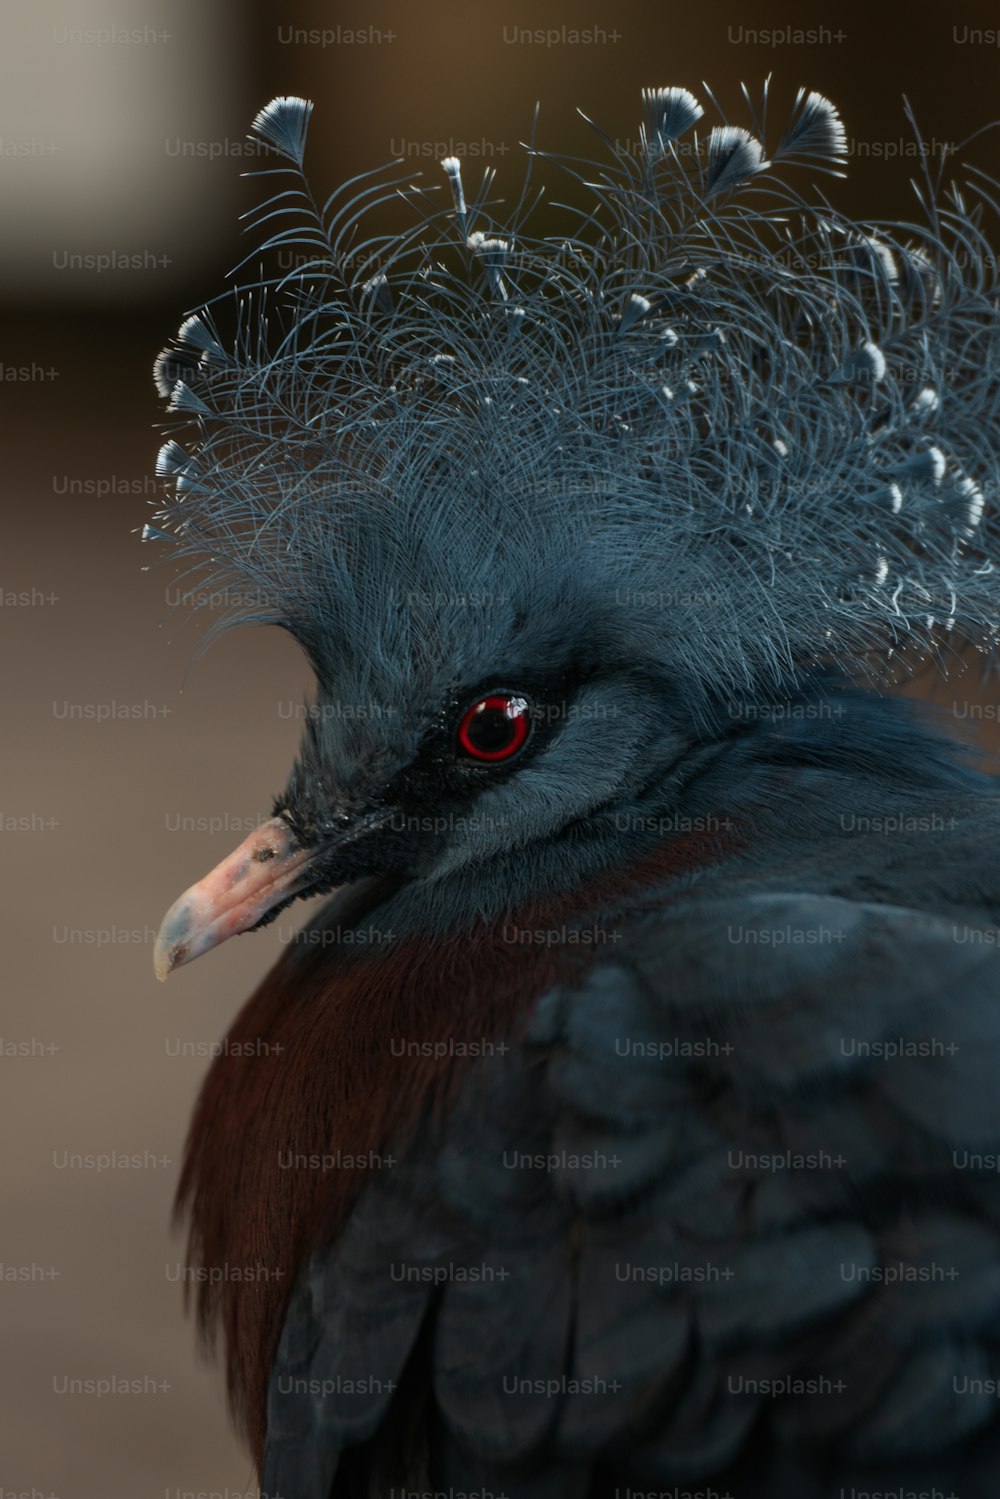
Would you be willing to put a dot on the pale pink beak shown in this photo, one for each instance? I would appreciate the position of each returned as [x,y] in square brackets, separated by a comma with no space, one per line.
[266,869]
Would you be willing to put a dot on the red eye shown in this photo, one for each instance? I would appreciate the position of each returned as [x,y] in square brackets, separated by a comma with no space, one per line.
[496,727]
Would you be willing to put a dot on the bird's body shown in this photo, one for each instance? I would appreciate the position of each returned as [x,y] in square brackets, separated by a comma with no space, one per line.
[628,1123]
[696,1138]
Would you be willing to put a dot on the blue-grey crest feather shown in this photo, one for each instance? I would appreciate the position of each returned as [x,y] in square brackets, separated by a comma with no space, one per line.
[754,434]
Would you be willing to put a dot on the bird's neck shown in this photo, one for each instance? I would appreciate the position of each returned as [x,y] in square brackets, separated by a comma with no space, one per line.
[357,1034]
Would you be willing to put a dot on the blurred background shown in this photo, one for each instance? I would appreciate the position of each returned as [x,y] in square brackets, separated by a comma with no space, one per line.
[129,767]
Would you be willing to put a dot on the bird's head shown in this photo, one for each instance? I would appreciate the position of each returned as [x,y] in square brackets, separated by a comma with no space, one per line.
[541,510]
[476,714]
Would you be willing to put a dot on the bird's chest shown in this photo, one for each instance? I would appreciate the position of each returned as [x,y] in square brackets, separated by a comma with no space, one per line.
[344,1050]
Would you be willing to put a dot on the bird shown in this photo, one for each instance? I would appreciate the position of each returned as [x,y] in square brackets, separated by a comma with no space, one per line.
[625,1119]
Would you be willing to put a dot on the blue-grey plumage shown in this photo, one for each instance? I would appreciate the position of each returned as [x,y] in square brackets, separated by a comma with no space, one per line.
[582,535]
[743,433]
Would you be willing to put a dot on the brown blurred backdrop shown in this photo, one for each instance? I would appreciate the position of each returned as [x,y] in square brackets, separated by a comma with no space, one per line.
[129,768]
